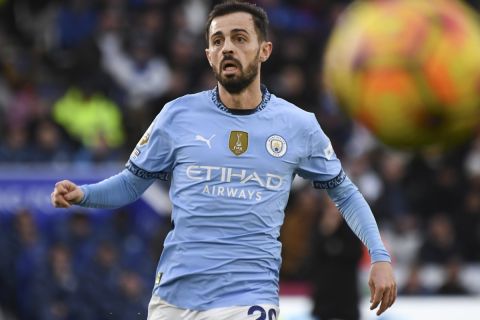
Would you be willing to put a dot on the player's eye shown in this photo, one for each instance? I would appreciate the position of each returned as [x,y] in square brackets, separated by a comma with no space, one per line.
[217,42]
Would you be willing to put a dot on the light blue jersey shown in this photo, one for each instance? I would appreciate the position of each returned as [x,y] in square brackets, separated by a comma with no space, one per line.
[231,176]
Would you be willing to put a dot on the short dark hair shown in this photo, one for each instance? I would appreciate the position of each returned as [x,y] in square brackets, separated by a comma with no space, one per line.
[260,18]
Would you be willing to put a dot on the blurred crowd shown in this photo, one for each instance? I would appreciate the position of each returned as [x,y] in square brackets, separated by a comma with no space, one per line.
[78,265]
[81,80]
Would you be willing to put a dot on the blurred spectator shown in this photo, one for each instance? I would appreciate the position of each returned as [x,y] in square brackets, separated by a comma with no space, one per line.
[92,118]
[287,17]
[336,255]
[16,146]
[452,284]
[156,241]
[49,145]
[183,58]
[25,106]
[56,294]
[393,202]
[141,73]
[35,22]
[131,242]
[441,243]
[472,160]
[432,174]
[5,97]
[469,225]
[291,82]
[79,237]
[100,282]
[413,285]
[28,252]
[133,297]
[196,12]
[112,17]
[151,24]
[76,22]
[7,265]
[447,190]
[296,232]
[404,238]
[369,182]
[419,174]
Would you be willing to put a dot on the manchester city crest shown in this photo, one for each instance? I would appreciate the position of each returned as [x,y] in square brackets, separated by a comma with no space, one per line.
[276,146]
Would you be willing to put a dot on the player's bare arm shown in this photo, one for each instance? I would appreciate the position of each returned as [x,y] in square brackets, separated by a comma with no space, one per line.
[65,194]
[383,288]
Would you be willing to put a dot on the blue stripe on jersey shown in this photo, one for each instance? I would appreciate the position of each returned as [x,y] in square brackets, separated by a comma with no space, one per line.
[332,183]
[141,173]
[216,100]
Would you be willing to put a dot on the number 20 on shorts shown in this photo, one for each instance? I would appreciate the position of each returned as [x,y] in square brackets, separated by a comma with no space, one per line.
[261,313]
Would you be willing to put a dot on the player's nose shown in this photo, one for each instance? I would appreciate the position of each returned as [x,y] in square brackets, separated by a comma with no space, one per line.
[227,47]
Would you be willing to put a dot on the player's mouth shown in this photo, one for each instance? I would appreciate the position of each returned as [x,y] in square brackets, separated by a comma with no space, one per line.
[230,66]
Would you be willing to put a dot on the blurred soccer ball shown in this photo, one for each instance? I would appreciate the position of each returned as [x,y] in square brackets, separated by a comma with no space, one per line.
[409,70]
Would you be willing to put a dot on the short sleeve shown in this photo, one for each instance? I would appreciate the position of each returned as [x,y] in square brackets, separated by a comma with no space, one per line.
[320,163]
[153,154]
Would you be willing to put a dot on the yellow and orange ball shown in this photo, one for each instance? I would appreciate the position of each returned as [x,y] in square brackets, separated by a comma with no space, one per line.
[409,70]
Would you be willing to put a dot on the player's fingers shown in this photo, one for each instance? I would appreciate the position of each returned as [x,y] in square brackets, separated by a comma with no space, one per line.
[73,196]
[65,186]
[377,297]
[385,302]
[61,187]
[393,296]
[372,290]
[58,201]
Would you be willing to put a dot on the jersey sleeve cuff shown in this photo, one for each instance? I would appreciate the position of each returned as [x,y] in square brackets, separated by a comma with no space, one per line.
[85,195]
[380,256]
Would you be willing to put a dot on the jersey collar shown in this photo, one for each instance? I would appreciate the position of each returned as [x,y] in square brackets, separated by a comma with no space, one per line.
[216,100]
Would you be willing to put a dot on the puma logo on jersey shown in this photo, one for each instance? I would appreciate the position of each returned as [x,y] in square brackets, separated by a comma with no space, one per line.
[207,141]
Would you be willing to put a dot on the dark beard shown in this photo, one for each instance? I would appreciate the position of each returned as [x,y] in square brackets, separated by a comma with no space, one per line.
[237,84]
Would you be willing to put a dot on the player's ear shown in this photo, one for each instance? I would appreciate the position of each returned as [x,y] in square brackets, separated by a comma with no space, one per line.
[207,53]
[265,50]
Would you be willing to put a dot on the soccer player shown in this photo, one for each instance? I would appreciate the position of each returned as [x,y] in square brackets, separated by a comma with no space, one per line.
[231,154]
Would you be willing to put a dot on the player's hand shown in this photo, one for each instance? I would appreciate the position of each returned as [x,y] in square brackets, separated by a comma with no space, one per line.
[383,288]
[65,194]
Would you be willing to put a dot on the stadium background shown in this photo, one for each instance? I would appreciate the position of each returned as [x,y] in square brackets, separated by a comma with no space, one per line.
[81,80]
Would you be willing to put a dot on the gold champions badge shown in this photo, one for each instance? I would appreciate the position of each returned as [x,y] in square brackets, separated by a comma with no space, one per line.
[238,142]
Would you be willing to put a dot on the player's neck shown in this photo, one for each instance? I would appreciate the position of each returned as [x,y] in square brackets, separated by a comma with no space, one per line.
[249,98]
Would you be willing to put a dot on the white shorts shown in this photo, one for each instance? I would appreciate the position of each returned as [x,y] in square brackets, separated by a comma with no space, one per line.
[161,310]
